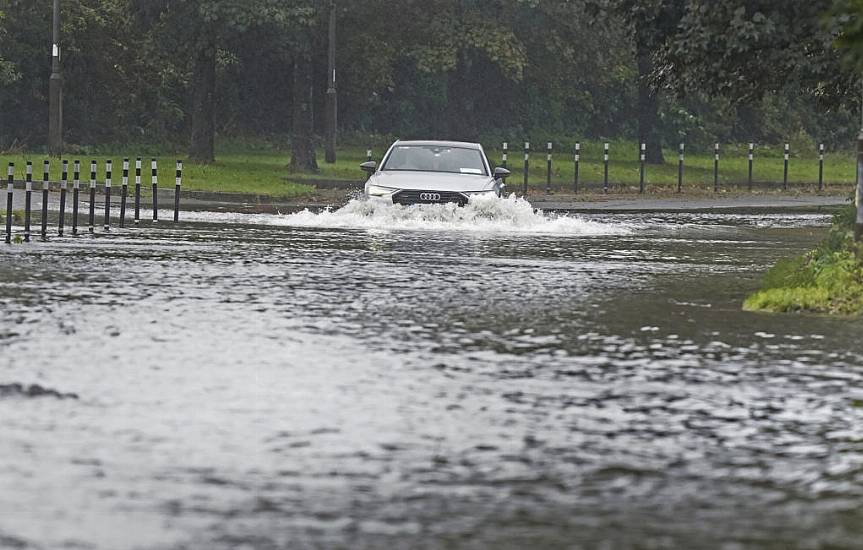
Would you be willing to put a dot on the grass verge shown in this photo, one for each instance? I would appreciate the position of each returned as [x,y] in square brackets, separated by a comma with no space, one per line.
[17,217]
[828,279]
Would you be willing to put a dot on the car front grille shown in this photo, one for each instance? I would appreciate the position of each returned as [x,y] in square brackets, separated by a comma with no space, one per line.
[410,196]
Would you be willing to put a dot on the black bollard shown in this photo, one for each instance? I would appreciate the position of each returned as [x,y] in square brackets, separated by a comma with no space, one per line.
[680,163]
[548,171]
[751,160]
[46,187]
[108,174]
[577,173]
[785,169]
[155,181]
[641,169]
[178,184]
[64,182]
[92,218]
[504,156]
[76,190]
[28,198]
[605,176]
[526,167]
[716,168]
[10,192]
[137,190]
[124,192]
[821,167]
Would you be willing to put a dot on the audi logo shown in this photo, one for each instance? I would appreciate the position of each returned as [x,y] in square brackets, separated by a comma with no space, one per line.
[429,196]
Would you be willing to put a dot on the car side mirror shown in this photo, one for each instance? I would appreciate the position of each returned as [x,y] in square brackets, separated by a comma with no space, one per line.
[501,173]
[369,167]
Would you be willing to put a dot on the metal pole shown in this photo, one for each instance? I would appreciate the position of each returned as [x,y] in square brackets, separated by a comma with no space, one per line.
[858,199]
[28,198]
[137,190]
[91,218]
[10,191]
[785,170]
[154,179]
[55,90]
[505,158]
[109,173]
[548,171]
[858,226]
[680,168]
[605,176]
[124,194]
[751,160]
[577,168]
[76,190]
[715,167]
[64,184]
[821,167]
[641,168]
[177,185]
[46,188]
[332,97]
[526,166]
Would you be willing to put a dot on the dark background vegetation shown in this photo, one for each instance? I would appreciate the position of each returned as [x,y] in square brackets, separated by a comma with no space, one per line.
[178,73]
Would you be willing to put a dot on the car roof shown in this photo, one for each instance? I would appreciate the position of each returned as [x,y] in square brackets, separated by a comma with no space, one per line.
[463,144]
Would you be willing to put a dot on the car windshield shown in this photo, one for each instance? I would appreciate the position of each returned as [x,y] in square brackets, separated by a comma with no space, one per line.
[436,158]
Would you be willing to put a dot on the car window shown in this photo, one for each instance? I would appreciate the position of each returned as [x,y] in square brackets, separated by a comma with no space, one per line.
[435,158]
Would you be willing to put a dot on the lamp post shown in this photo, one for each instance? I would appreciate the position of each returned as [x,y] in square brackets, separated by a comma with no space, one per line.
[55,90]
[332,98]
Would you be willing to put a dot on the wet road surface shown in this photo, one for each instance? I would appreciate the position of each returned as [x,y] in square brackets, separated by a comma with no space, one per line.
[373,377]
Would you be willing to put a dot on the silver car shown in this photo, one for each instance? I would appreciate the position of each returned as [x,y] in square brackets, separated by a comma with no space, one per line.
[429,172]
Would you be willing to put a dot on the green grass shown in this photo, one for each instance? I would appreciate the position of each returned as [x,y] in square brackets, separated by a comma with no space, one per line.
[17,217]
[262,169]
[827,280]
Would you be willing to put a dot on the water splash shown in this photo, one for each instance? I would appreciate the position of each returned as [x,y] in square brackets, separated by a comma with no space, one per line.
[482,214]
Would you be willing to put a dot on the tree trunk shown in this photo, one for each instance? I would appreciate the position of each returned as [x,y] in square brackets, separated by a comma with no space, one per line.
[461,119]
[648,108]
[303,141]
[202,148]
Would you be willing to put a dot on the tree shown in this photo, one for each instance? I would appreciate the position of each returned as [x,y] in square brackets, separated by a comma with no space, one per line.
[846,17]
[458,41]
[651,23]
[206,30]
[747,49]
[303,156]
[177,73]
[8,73]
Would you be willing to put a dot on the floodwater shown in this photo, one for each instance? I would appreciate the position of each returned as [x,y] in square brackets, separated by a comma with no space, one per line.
[379,377]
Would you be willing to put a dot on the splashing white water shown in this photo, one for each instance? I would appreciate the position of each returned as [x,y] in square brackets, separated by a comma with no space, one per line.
[481,214]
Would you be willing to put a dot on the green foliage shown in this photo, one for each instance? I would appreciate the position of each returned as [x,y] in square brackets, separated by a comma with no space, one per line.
[744,50]
[847,15]
[789,300]
[827,280]
[17,217]
[7,69]
[790,272]
[735,70]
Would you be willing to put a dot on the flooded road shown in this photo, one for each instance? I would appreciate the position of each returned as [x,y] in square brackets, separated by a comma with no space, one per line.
[376,377]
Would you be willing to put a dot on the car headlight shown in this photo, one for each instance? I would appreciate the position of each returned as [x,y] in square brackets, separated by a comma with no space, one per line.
[378,191]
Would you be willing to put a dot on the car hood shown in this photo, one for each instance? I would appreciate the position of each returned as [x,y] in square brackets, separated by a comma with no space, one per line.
[432,181]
